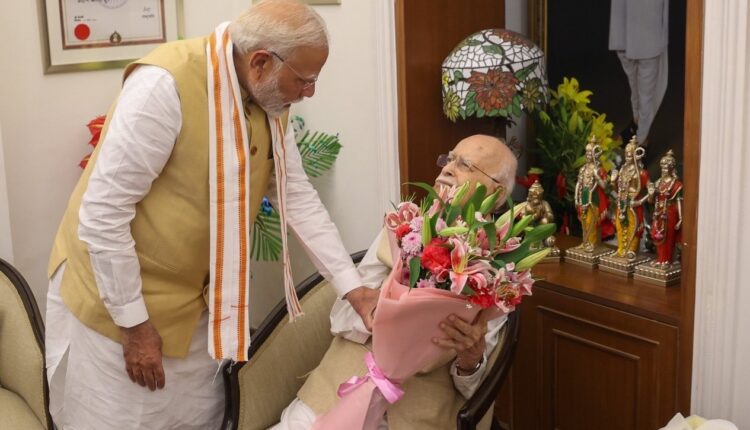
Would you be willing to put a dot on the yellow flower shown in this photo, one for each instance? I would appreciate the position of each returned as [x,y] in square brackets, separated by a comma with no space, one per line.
[451,105]
[446,79]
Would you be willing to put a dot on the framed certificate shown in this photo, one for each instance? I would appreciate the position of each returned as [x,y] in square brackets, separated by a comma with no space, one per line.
[98,34]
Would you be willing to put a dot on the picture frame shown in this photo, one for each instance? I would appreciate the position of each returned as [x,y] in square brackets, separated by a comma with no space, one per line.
[81,35]
[315,2]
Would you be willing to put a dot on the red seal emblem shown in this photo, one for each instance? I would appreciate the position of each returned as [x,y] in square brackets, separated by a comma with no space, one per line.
[82,31]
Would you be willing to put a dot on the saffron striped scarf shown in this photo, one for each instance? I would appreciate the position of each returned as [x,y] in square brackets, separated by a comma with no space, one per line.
[229,178]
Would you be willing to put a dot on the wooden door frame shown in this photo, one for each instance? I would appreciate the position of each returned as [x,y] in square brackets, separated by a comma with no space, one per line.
[691,176]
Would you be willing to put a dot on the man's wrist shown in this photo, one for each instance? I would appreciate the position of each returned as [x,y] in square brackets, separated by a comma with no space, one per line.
[468,370]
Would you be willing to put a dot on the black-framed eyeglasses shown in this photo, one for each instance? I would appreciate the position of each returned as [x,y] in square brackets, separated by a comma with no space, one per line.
[309,82]
[462,164]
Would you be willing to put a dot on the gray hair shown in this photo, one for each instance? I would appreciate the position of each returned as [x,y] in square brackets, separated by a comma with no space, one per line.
[280,26]
[506,172]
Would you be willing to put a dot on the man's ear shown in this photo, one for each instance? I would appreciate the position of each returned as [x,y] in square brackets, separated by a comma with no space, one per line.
[259,62]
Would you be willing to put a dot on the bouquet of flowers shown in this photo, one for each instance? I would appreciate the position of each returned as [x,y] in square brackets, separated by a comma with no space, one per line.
[450,257]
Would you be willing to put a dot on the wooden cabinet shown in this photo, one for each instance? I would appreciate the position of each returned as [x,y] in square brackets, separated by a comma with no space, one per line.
[596,352]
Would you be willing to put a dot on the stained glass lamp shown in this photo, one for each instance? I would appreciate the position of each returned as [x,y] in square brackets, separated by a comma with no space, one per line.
[493,73]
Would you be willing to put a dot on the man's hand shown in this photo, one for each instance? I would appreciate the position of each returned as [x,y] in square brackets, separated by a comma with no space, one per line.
[466,339]
[364,300]
[141,347]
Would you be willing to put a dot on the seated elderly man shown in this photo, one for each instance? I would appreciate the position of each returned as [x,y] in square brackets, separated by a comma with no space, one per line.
[434,396]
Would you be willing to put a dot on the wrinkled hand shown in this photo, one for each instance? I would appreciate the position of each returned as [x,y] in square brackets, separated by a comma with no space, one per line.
[467,339]
[141,347]
[364,300]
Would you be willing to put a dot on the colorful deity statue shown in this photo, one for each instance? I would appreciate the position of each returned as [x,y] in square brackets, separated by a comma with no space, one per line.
[590,196]
[666,220]
[631,191]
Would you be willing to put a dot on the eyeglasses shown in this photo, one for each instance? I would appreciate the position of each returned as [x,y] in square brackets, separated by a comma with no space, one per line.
[462,164]
[309,82]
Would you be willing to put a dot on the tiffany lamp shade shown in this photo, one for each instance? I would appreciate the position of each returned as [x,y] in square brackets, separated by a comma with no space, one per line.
[493,73]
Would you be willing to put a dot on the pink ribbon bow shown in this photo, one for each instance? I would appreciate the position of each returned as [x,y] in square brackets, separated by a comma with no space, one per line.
[391,391]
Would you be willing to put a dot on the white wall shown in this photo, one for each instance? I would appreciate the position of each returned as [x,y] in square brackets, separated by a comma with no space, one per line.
[44,133]
[6,240]
[721,351]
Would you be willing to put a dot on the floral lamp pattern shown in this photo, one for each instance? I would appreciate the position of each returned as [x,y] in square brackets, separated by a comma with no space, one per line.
[494,73]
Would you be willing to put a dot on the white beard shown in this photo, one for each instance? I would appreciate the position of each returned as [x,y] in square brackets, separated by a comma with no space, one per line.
[268,97]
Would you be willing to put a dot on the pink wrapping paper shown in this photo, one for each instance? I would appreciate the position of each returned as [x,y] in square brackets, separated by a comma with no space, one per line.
[404,325]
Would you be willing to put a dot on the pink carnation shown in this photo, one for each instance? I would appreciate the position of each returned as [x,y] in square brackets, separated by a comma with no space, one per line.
[411,244]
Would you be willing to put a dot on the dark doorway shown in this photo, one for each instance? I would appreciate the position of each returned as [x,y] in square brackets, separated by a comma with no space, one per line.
[578,36]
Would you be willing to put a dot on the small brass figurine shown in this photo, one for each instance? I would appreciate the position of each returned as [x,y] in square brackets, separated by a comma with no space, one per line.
[591,204]
[631,185]
[666,223]
[541,212]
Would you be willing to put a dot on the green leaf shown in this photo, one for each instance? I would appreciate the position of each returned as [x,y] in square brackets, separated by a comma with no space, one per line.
[453,213]
[497,264]
[491,231]
[516,255]
[521,225]
[460,193]
[414,269]
[522,74]
[539,233]
[479,195]
[531,260]
[458,75]
[453,231]
[535,171]
[319,151]
[468,213]
[266,238]
[471,107]
[480,112]
[474,42]
[512,218]
[431,193]
[516,107]
[494,49]
[489,202]
[426,231]
[433,224]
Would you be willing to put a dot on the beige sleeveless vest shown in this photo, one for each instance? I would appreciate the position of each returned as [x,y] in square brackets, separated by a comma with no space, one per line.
[171,225]
[430,400]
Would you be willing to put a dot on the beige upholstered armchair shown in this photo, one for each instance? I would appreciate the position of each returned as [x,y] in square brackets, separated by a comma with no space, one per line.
[24,397]
[281,354]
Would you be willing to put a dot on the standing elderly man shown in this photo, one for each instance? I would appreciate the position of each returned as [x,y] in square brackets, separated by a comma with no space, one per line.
[149,273]
[639,33]
[432,398]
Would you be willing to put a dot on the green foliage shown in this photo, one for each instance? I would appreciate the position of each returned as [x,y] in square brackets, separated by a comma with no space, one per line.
[266,238]
[319,152]
[562,130]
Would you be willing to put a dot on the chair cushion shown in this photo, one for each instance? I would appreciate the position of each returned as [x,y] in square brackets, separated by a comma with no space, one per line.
[21,361]
[283,361]
[15,413]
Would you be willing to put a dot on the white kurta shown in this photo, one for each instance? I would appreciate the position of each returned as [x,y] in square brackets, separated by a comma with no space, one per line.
[346,323]
[639,33]
[141,137]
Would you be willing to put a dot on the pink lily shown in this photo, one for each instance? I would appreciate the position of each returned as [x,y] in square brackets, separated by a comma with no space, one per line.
[461,271]
[525,281]
[435,208]
[446,193]
[405,212]
[510,245]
